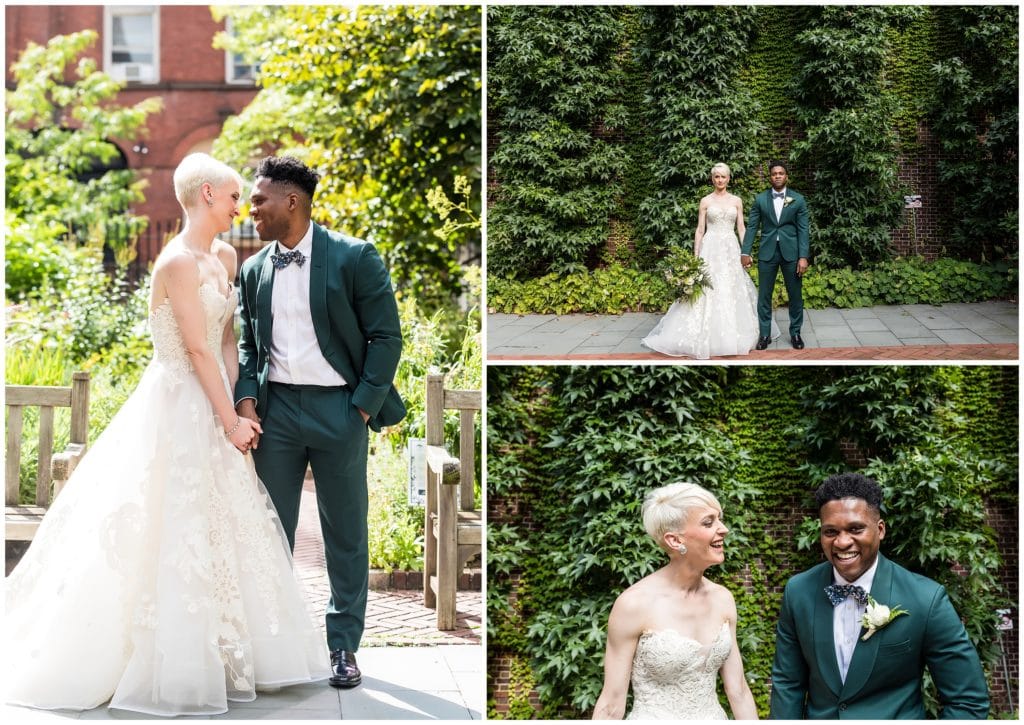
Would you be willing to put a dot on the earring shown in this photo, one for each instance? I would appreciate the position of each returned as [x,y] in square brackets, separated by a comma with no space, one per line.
[681,549]
[209,202]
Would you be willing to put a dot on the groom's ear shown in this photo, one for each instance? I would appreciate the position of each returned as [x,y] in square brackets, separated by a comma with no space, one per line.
[881,529]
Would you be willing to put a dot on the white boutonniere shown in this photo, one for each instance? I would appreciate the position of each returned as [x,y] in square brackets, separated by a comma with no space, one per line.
[787,201]
[877,616]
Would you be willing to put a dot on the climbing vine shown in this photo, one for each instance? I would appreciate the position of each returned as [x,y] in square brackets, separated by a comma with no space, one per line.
[552,85]
[974,112]
[609,118]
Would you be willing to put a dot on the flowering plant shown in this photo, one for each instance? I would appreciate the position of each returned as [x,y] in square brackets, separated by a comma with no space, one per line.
[877,616]
[686,273]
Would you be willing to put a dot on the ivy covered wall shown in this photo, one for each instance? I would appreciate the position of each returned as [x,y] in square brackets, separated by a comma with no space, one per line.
[866,103]
[573,450]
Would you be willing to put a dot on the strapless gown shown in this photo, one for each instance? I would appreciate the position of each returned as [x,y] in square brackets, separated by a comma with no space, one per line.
[160,580]
[723,320]
[674,677]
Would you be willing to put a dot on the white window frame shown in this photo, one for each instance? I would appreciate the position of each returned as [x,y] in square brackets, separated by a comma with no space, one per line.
[230,66]
[142,72]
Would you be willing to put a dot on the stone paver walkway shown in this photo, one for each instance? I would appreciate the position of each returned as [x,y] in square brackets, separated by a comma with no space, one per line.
[967,331]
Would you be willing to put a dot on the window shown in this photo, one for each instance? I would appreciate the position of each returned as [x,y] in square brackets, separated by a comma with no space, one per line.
[131,43]
[236,68]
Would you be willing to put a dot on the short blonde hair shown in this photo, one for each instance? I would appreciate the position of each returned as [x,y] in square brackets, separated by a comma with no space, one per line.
[667,508]
[196,170]
[720,167]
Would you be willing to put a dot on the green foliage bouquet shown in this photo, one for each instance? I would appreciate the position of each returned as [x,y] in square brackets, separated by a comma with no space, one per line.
[687,274]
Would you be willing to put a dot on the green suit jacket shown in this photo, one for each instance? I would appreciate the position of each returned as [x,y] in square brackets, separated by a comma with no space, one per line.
[354,314]
[884,679]
[789,234]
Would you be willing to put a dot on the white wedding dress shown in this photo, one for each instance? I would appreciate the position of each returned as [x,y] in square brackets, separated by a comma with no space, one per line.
[723,320]
[674,677]
[160,579]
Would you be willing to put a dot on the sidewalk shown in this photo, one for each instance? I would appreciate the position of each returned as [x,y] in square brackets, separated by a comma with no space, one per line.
[411,671]
[962,331]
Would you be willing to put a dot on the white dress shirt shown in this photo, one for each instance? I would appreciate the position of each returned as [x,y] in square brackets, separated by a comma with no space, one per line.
[778,203]
[295,355]
[846,618]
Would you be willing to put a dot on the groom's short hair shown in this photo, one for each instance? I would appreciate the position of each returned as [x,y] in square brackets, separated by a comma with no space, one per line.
[289,170]
[777,162]
[850,485]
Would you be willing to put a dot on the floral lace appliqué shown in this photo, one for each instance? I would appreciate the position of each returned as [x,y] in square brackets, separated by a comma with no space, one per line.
[674,676]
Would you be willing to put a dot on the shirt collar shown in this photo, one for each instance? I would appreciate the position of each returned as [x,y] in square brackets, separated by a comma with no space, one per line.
[864,581]
[305,244]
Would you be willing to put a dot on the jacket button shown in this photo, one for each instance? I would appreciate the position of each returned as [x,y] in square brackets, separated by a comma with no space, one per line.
[842,706]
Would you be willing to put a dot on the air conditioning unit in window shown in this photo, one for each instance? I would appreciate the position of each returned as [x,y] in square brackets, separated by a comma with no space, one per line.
[132,72]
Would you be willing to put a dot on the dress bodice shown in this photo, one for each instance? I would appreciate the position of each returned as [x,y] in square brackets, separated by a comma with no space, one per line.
[674,677]
[720,219]
[168,345]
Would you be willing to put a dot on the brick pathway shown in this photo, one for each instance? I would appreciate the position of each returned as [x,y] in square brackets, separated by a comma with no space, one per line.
[393,617]
[1004,351]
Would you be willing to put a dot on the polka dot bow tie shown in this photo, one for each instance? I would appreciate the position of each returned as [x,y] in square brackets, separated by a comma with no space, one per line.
[282,260]
[838,592]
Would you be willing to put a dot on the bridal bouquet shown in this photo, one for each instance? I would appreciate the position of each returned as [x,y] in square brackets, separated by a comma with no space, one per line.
[687,274]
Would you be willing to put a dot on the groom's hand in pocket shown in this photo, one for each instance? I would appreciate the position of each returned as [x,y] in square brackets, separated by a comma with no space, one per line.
[247,409]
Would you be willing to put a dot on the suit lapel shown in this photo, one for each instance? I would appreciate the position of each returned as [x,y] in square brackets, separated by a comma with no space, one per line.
[318,288]
[863,661]
[264,296]
[824,640]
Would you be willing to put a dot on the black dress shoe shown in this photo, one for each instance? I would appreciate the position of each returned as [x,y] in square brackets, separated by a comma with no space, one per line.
[763,343]
[345,670]
[798,342]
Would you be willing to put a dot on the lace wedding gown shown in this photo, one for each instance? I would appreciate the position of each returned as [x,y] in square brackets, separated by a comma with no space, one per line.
[674,676]
[723,320]
[160,579]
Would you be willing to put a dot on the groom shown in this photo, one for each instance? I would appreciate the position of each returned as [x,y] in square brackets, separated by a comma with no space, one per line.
[319,348]
[829,666]
[781,214]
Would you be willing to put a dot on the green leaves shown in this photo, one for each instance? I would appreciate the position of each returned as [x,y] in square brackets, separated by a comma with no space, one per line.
[59,125]
[385,103]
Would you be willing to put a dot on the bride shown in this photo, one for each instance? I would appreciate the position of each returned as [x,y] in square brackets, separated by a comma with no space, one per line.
[160,579]
[723,320]
[673,630]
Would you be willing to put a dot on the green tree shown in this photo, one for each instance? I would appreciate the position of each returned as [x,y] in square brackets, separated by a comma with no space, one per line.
[60,122]
[385,103]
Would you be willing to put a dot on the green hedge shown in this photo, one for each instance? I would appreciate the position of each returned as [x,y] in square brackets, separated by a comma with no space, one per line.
[617,289]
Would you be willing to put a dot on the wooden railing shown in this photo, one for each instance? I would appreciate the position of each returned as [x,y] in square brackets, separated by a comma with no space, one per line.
[21,522]
[452,524]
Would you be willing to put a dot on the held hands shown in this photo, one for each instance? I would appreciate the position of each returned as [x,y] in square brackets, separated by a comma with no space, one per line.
[746,261]
[244,434]
[246,410]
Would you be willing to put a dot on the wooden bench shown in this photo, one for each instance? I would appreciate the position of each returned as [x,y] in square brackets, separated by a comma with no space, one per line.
[452,524]
[21,522]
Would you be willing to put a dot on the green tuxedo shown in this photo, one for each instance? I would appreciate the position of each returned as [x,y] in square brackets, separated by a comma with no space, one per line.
[784,240]
[884,678]
[355,319]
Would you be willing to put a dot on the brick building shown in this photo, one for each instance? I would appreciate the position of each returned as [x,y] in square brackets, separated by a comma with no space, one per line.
[159,50]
